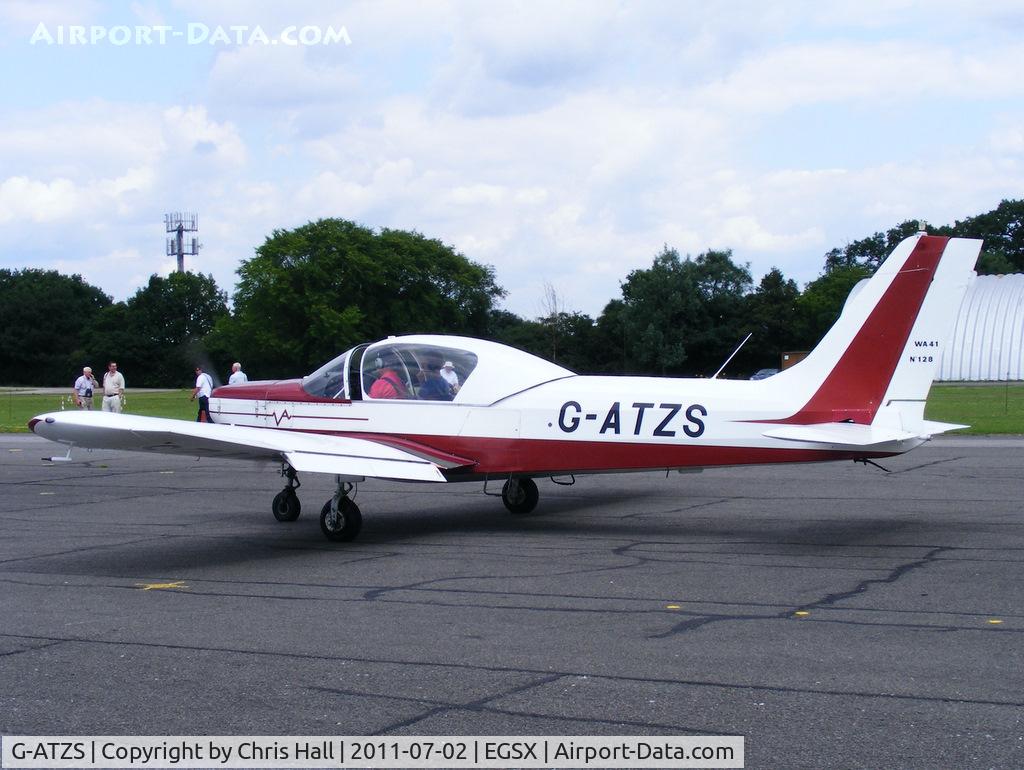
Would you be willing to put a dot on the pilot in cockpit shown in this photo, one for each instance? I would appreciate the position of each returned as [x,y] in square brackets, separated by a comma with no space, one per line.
[388,383]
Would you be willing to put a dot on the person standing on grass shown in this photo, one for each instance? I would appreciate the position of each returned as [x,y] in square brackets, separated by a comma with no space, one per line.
[84,387]
[202,391]
[113,389]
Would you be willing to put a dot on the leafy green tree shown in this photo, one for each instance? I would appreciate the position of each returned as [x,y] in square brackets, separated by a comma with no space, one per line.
[1003,232]
[177,309]
[501,324]
[724,286]
[611,341]
[44,321]
[312,292]
[659,304]
[529,335]
[156,336]
[683,312]
[822,300]
[112,337]
[770,314]
[995,263]
[870,252]
[575,336]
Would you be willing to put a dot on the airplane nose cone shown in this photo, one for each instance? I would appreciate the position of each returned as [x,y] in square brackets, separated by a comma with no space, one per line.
[46,419]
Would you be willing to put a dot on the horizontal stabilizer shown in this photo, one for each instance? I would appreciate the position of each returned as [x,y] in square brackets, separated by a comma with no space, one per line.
[844,433]
[932,428]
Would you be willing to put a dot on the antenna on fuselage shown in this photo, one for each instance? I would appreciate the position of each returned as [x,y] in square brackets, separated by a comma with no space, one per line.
[730,358]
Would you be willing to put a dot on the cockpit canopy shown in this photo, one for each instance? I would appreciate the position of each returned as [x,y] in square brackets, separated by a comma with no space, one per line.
[430,368]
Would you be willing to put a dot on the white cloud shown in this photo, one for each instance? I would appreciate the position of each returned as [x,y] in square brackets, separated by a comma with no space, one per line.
[148,13]
[838,71]
[28,200]
[98,138]
[488,194]
[563,143]
[24,198]
[267,78]
[191,137]
[1008,139]
[747,233]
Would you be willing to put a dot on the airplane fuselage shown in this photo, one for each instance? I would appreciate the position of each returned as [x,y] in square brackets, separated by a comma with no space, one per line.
[575,424]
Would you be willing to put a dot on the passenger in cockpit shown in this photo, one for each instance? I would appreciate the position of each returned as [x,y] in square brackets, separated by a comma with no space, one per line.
[432,387]
[449,375]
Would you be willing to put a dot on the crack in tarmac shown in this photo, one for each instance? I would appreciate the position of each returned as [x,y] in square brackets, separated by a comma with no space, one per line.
[826,601]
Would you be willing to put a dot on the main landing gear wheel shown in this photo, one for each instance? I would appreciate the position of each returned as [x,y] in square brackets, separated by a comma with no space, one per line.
[344,525]
[286,505]
[520,495]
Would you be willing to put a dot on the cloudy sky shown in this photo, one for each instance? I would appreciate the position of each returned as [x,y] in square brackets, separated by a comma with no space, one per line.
[562,143]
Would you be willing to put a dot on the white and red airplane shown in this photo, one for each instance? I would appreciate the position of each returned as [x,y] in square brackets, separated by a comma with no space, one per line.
[434,408]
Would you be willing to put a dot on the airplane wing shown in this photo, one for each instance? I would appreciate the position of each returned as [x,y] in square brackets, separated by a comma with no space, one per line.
[315,453]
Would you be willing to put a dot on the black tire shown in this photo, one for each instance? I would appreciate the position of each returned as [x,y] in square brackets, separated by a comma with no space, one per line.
[350,521]
[520,495]
[286,505]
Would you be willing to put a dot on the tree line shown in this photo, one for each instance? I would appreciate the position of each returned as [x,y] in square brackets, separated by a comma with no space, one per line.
[314,291]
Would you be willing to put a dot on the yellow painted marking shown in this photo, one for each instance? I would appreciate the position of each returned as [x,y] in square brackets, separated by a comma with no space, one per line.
[673,607]
[13,450]
[995,621]
[161,586]
[801,613]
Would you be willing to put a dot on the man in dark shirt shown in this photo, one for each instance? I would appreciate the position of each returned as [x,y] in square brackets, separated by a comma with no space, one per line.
[432,387]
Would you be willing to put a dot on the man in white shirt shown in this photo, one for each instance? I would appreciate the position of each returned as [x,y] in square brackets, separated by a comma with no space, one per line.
[84,387]
[113,389]
[449,375]
[237,375]
[202,391]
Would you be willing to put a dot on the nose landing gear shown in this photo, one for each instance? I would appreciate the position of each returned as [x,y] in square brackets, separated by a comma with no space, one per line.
[286,504]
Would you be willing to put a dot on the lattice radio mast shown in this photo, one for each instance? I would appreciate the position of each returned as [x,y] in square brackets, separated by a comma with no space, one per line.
[178,245]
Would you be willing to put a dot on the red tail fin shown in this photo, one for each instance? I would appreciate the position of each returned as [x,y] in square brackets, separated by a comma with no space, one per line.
[854,388]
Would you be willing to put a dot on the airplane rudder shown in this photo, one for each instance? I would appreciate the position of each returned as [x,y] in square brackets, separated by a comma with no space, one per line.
[919,361]
[865,354]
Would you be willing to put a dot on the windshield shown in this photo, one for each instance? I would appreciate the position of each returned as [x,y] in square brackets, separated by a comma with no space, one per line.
[329,380]
[415,371]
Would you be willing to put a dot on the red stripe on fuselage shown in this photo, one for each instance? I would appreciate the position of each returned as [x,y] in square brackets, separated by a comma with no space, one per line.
[544,457]
[854,389]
